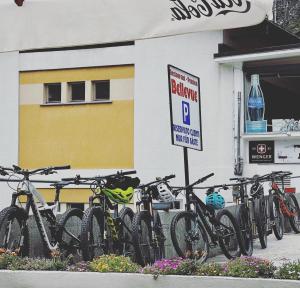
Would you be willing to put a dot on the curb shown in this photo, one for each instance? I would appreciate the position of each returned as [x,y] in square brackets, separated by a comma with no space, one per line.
[50,279]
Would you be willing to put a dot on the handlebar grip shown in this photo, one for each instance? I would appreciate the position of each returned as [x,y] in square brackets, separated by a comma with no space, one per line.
[17,168]
[62,167]
[169,177]
[128,172]
[68,179]
[206,177]
[3,172]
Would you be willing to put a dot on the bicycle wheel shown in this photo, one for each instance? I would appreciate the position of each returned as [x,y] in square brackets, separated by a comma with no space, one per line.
[294,209]
[189,236]
[92,234]
[142,238]
[244,222]
[14,236]
[126,247]
[160,237]
[277,218]
[261,221]
[229,234]
[68,235]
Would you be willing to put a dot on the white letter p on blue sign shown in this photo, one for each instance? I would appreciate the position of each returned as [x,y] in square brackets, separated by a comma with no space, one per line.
[186,113]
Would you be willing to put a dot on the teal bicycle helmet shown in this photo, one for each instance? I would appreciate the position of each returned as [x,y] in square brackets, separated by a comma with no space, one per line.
[215,200]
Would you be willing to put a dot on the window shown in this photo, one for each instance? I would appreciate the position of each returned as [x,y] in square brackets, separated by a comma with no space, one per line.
[53,92]
[77,91]
[101,90]
[76,205]
[277,109]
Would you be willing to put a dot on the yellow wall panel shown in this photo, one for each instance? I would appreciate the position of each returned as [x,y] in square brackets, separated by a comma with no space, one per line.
[80,74]
[68,195]
[84,136]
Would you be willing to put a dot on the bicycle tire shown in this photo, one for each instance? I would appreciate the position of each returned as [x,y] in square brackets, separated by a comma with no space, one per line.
[182,236]
[294,208]
[69,233]
[243,221]
[278,220]
[261,221]
[13,216]
[126,247]
[159,252]
[92,226]
[142,239]
[226,243]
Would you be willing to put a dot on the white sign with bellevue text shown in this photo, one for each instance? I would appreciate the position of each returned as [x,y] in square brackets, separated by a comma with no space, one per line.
[185,108]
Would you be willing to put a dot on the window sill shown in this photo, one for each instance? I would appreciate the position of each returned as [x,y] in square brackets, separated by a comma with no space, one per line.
[272,136]
[76,103]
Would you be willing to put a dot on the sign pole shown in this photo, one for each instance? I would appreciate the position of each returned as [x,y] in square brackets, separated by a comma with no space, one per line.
[186,174]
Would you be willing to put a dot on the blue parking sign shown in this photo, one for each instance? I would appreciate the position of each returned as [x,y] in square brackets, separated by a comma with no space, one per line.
[186,113]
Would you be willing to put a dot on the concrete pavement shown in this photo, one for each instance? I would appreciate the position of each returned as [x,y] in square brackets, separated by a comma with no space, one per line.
[287,249]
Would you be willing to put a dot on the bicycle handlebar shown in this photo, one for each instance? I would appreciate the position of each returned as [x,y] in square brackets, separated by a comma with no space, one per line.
[18,170]
[99,178]
[177,191]
[266,177]
[205,178]
[65,167]
[3,171]
[169,177]
[128,172]
[166,178]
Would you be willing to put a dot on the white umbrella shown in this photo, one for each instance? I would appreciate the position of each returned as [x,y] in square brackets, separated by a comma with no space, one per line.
[58,23]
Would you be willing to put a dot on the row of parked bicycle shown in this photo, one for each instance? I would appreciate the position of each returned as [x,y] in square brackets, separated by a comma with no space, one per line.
[104,228]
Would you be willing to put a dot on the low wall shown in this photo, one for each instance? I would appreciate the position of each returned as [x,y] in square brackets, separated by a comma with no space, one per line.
[47,279]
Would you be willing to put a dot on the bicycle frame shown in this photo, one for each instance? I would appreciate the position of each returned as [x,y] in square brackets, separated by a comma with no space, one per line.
[113,222]
[244,202]
[204,211]
[27,189]
[281,196]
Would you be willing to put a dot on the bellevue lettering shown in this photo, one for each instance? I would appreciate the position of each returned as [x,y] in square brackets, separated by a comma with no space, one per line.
[183,91]
[207,8]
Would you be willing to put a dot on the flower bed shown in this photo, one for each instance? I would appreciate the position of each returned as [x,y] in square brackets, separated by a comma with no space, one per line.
[244,267]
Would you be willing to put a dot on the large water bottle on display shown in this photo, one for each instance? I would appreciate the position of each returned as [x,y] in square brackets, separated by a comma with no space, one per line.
[256,102]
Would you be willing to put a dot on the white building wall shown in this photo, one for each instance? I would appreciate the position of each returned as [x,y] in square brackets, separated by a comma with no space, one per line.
[9,116]
[154,154]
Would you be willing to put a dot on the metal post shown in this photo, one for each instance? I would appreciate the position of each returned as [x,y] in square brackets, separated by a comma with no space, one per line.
[186,174]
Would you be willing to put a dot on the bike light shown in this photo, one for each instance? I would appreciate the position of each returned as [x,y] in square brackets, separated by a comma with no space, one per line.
[290,190]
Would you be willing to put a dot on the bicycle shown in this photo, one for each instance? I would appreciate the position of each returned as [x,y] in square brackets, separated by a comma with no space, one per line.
[285,204]
[253,222]
[60,238]
[101,232]
[148,235]
[190,228]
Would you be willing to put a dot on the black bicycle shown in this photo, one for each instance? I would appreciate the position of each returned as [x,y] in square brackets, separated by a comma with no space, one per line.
[261,211]
[148,235]
[245,217]
[59,237]
[103,232]
[190,229]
